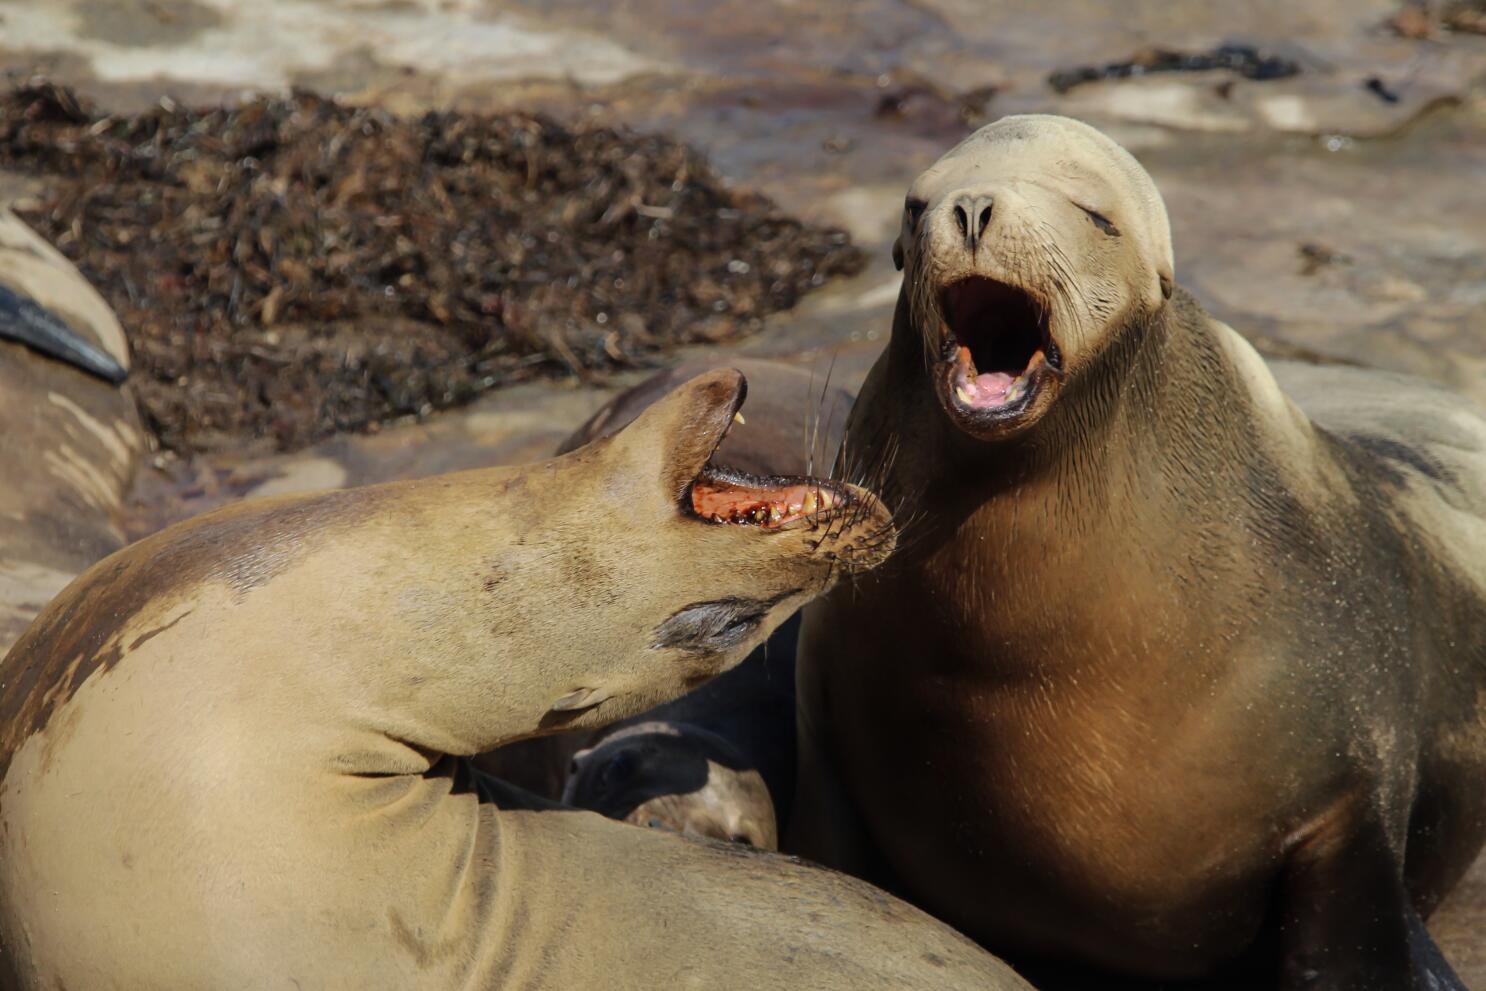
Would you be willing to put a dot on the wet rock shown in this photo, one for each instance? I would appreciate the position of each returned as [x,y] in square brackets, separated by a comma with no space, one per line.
[1421,21]
[1315,257]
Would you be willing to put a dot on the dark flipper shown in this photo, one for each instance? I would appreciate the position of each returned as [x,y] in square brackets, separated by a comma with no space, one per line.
[23,319]
[1348,923]
[1434,972]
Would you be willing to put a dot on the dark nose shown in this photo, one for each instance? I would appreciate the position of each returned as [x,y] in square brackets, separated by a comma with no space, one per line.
[972,215]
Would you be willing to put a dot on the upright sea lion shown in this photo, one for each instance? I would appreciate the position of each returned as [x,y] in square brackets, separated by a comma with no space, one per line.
[1184,670]
[69,440]
[232,754]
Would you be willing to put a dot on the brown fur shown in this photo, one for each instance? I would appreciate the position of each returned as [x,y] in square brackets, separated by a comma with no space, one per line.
[1164,680]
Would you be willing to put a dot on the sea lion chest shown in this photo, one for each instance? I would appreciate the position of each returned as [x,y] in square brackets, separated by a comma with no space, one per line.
[1064,745]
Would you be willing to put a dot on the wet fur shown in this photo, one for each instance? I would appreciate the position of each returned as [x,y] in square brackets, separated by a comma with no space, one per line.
[1182,677]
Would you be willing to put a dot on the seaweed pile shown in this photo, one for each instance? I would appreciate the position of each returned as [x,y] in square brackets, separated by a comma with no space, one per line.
[293,267]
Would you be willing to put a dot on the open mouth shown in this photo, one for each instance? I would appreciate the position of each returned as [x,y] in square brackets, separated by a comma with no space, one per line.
[995,351]
[723,495]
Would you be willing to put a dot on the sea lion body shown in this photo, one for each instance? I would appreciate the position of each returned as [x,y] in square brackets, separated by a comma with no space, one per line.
[233,754]
[1198,648]
[69,437]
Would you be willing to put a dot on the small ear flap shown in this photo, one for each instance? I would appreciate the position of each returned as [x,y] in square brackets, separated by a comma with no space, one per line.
[1166,285]
[898,254]
[679,432]
[582,698]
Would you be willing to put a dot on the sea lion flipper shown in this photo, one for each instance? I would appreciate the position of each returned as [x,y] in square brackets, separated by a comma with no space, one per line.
[1433,971]
[22,319]
[1348,921]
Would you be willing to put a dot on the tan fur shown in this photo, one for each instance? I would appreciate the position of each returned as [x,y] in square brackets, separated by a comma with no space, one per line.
[1179,670]
[233,751]
[795,420]
[69,442]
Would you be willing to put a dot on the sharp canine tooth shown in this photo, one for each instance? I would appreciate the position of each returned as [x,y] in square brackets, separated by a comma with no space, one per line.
[774,514]
[738,418]
[963,395]
[811,502]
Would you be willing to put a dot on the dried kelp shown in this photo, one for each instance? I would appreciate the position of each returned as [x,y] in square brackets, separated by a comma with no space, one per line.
[293,267]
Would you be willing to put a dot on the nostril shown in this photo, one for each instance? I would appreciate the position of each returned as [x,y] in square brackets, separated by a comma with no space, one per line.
[985,218]
[962,219]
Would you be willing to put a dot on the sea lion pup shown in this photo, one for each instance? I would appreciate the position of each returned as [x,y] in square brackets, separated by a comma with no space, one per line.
[673,775]
[1185,667]
[232,752]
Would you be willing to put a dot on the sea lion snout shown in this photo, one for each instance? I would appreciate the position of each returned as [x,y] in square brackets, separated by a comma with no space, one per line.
[840,525]
[984,312]
[972,215]
[1026,249]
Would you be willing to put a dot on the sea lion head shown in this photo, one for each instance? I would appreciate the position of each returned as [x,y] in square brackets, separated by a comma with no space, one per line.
[1026,250]
[695,560]
[674,776]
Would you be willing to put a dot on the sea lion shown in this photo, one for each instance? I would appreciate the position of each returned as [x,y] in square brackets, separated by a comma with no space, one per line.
[738,727]
[69,441]
[232,753]
[46,306]
[1183,671]
[674,775]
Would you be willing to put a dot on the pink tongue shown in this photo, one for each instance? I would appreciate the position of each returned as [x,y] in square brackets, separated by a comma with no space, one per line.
[992,385]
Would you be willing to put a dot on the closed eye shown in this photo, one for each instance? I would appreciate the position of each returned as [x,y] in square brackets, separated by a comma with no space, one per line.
[715,627]
[913,209]
[1100,221]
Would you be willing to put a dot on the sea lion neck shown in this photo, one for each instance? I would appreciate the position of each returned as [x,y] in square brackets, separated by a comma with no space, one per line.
[1139,374]
[1146,444]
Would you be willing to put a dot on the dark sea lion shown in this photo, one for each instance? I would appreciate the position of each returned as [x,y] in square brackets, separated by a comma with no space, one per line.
[232,754]
[1183,672]
[672,775]
[69,441]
